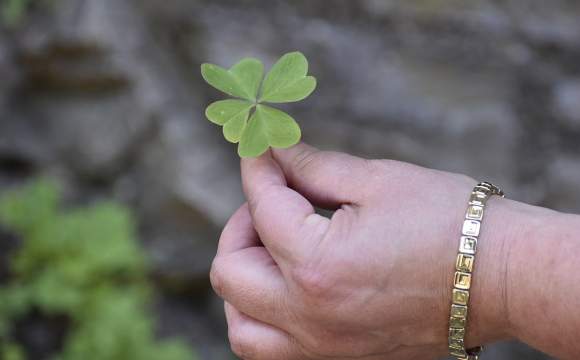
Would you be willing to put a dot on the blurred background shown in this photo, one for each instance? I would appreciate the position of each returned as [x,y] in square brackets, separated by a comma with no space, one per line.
[103,99]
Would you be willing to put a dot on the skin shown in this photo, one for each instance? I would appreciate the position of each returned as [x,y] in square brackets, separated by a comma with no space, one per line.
[375,280]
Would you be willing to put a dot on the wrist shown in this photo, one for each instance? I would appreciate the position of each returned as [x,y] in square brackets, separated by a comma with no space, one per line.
[488,311]
[543,291]
[488,317]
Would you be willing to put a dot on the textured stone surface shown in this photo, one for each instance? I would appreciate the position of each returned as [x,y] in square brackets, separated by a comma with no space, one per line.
[106,96]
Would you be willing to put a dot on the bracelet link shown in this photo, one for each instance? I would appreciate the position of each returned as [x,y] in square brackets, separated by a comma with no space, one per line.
[464,269]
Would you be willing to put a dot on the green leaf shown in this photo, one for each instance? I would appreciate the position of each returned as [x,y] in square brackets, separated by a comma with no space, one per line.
[232,114]
[242,80]
[12,351]
[254,141]
[268,127]
[14,11]
[287,80]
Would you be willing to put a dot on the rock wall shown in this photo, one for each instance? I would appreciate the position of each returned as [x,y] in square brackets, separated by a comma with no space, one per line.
[106,96]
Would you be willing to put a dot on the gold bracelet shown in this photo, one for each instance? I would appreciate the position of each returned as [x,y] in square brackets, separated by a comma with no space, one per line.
[464,266]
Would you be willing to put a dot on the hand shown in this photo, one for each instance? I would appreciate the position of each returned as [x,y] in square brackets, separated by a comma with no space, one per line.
[373,282]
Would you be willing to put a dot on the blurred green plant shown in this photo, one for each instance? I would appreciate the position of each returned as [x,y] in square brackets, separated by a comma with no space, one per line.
[285,82]
[14,10]
[84,264]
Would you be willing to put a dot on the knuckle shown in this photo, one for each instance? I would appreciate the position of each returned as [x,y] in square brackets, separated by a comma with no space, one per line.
[237,342]
[215,277]
[243,346]
[313,281]
[263,192]
[334,161]
[306,159]
[249,348]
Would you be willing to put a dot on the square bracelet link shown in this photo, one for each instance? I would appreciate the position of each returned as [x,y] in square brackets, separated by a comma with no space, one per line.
[464,269]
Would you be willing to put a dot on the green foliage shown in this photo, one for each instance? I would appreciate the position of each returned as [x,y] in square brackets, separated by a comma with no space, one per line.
[14,10]
[85,264]
[285,82]
[12,351]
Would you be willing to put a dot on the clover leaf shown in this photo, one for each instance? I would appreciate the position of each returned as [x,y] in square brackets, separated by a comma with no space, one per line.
[285,82]
[232,114]
[242,80]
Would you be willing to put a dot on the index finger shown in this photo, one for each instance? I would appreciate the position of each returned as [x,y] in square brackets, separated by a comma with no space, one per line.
[285,220]
[241,230]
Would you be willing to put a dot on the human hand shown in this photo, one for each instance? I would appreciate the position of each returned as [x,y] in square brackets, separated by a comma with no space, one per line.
[373,282]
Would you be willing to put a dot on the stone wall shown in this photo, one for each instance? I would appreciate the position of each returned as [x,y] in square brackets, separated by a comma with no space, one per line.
[107,97]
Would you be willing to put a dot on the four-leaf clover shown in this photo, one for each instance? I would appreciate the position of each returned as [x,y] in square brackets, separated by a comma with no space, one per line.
[285,82]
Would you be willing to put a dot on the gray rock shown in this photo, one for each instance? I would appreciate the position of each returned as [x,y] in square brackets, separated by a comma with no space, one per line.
[563,176]
[567,101]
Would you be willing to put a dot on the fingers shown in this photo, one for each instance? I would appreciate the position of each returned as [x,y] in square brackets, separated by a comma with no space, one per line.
[251,280]
[245,274]
[254,340]
[327,179]
[285,220]
[239,232]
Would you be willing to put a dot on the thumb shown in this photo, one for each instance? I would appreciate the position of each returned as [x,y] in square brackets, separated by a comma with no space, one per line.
[327,179]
